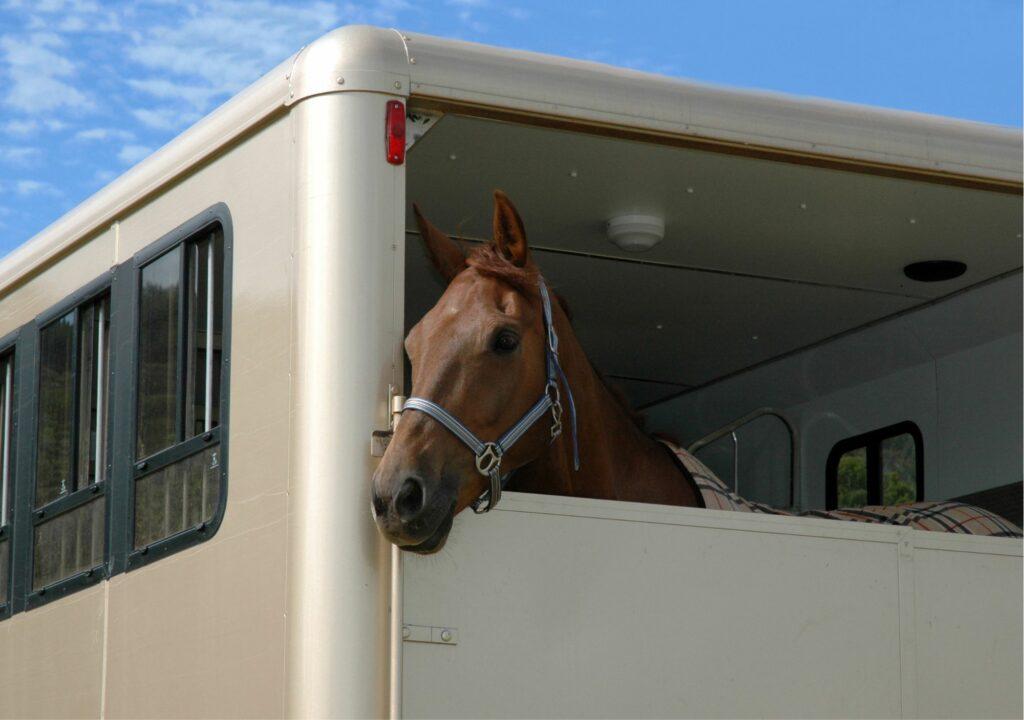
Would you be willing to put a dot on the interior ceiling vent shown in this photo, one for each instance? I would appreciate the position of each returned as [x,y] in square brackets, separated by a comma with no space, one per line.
[934,270]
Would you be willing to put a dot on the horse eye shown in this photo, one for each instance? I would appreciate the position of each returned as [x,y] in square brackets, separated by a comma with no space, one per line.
[505,342]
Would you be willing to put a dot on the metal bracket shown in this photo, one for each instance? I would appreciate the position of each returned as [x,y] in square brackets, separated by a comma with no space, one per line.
[430,634]
[379,439]
[418,122]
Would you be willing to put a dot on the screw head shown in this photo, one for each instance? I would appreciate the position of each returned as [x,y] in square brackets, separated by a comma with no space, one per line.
[446,635]
[341,80]
[398,85]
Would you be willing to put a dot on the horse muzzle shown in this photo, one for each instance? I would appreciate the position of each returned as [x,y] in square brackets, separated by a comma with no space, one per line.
[417,515]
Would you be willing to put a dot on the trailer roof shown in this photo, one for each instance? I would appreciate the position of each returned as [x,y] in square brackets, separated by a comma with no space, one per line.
[547,89]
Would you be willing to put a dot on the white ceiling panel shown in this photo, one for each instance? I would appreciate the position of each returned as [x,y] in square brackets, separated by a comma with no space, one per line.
[722,212]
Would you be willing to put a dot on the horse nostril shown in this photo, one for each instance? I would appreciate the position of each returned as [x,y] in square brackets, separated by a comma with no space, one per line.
[410,498]
[380,505]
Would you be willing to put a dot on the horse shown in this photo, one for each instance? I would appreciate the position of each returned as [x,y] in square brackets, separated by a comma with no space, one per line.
[496,357]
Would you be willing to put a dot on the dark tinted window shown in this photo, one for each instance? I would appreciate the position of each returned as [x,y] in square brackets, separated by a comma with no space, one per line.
[179,486]
[158,354]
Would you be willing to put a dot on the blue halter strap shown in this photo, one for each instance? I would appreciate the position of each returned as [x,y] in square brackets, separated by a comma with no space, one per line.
[489,454]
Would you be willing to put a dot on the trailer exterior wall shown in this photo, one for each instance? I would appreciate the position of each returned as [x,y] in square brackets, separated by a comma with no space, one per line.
[578,608]
[211,617]
[347,352]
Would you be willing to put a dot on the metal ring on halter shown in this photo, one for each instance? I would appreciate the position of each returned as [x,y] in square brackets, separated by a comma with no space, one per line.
[488,460]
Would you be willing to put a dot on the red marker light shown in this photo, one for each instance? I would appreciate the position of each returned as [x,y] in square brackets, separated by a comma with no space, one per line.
[394,129]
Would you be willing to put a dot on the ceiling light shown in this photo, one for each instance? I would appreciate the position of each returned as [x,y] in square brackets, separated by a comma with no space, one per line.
[636,233]
[934,270]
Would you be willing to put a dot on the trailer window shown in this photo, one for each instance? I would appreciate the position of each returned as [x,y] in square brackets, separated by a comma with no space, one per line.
[883,467]
[6,487]
[71,446]
[178,471]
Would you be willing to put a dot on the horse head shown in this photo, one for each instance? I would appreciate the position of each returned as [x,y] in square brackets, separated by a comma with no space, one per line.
[480,354]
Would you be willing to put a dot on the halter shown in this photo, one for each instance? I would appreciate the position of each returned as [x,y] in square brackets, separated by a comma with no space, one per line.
[489,454]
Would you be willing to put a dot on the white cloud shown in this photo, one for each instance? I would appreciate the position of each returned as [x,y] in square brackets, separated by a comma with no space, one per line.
[24,188]
[164,118]
[102,133]
[18,155]
[36,73]
[20,128]
[223,45]
[196,96]
[131,154]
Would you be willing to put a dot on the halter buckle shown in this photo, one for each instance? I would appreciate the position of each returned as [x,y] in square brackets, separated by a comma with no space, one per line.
[489,459]
[556,409]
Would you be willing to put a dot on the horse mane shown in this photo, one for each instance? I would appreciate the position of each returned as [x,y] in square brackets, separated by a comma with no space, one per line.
[487,260]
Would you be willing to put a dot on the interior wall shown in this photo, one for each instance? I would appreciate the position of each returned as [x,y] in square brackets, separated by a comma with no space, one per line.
[953,368]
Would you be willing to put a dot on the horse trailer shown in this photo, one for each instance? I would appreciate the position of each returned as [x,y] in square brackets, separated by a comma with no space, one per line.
[200,365]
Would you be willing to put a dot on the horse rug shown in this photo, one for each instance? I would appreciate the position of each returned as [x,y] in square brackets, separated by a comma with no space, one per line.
[937,516]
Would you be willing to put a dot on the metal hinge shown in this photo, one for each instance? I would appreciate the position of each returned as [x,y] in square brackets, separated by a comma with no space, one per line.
[430,634]
[379,439]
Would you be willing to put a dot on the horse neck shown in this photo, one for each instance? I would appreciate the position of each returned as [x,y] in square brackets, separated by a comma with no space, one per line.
[617,459]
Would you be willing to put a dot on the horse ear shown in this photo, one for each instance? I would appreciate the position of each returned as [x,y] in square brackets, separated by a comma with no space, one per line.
[446,256]
[509,233]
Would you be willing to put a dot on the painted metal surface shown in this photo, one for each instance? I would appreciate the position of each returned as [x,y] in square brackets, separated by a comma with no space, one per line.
[345,355]
[109,650]
[581,608]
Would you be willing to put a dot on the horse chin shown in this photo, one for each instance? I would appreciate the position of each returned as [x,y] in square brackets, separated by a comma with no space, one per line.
[436,540]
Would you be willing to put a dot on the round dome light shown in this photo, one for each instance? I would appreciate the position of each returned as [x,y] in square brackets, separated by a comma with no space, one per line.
[636,233]
[934,270]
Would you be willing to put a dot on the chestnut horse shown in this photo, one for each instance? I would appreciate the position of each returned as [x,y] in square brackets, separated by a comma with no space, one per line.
[481,356]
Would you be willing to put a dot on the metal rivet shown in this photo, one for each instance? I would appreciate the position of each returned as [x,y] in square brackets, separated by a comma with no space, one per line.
[41,513]
[208,437]
[689,191]
[913,221]
[446,635]
[406,632]
[94,489]
[341,81]
[659,326]
[412,61]
[803,206]
[453,156]
[398,85]
[573,174]
[142,465]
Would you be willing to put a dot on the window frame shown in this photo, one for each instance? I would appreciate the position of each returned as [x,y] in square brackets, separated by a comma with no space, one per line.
[872,443]
[9,346]
[31,516]
[137,468]
[122,282]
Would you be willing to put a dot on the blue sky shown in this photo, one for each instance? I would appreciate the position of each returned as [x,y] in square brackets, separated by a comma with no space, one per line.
[89,88]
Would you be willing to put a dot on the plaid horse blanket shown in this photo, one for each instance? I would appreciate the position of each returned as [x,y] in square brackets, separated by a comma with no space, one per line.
[937,516]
